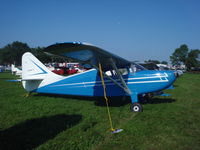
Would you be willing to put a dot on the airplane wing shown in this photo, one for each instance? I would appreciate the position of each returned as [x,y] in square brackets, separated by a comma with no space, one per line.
[92,55]
[87,53]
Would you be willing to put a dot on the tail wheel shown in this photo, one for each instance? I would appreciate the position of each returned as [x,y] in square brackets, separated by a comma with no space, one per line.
[136,107]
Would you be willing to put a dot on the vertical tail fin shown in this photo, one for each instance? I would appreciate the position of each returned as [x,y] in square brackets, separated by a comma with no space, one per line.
[35,74]
[32,68]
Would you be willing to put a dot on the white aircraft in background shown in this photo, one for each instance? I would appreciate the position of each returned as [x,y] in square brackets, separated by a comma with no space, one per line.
[16,70]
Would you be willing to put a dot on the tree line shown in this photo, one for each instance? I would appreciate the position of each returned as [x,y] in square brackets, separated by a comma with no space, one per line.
[12,54]
[184,56]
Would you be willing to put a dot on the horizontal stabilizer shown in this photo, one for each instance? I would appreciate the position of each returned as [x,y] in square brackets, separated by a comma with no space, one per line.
[31,79]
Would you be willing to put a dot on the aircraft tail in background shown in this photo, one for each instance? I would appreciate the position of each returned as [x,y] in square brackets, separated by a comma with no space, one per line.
[16,70]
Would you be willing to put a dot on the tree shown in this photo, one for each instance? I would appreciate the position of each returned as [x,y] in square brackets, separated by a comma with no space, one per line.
[153,61]
[180,55]
[12,53]
[1,56]
[164,62]
[38,52]
[192,60]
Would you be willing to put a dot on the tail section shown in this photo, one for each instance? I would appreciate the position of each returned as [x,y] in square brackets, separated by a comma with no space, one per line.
[34,73]
[32,68]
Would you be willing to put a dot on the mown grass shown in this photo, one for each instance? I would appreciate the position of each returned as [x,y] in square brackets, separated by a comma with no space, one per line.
[51,122]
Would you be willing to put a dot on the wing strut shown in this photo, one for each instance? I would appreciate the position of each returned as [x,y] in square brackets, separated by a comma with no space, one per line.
[126,89]
[109,77]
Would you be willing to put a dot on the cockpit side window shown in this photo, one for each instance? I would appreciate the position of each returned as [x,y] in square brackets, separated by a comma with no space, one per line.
[123,71]
[126,70]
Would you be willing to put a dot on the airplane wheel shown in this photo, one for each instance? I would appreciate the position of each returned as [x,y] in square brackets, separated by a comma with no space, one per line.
[136,107]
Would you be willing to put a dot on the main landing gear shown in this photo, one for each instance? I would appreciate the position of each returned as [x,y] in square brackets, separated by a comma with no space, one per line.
[136,107]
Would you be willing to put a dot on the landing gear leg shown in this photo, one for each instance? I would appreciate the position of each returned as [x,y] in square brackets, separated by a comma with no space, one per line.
[135,106]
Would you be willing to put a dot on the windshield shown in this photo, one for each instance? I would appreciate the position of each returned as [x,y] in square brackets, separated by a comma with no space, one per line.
[136,67]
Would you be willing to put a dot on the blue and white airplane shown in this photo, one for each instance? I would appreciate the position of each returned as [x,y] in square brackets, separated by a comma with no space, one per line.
[122,77]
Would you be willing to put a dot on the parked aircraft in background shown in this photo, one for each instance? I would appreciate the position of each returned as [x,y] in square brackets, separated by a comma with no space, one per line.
[121,77]
[153,66]
[16,70]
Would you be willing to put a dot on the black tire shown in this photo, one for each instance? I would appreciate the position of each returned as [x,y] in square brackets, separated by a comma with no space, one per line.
[136,107]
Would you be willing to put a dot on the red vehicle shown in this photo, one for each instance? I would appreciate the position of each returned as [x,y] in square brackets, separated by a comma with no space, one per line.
[64,71]
[71,71]
[59,71]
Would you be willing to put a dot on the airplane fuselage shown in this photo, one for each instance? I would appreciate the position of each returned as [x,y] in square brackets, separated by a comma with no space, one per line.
[89,83]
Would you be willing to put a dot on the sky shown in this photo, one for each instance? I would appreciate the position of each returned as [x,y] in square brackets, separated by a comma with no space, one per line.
[133,29]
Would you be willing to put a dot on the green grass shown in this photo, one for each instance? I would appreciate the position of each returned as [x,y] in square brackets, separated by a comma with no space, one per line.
[49,122]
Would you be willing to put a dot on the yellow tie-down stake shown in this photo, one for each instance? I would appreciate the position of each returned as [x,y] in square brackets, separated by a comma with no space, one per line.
[113,130]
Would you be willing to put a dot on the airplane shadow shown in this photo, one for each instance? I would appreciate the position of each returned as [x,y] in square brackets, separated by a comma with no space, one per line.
[115,101]
[175,85]
[73,97]
[32,133]
[157,100]
[120,101]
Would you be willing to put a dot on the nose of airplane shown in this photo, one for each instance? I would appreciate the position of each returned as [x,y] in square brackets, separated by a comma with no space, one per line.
[171,76]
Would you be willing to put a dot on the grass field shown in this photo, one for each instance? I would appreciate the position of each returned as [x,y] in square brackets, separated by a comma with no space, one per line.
[51,123]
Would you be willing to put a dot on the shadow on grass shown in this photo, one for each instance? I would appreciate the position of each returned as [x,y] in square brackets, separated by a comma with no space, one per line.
[175,85]
[32,133]
[115,101]
[73,97]
[159,100]
[120,101]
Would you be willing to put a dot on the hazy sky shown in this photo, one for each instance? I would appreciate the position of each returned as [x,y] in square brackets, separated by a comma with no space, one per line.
[132,29]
